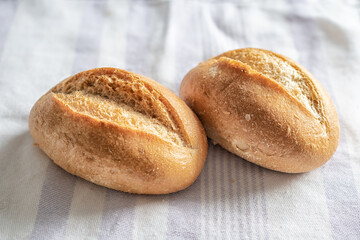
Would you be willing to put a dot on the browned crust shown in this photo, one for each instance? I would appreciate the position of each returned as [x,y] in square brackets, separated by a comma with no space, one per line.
[118,157]
[256,118]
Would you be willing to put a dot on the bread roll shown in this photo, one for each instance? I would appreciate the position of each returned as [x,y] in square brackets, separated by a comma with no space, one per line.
[120,130]
[265,108]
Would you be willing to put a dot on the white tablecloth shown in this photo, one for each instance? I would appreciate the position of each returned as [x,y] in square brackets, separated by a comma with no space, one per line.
[43,42]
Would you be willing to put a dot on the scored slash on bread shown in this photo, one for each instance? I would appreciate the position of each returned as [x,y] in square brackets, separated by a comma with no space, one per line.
[264,107]
[120,130]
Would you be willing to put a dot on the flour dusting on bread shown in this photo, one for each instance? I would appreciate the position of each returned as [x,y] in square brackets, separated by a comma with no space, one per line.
[108,91]
[273,66]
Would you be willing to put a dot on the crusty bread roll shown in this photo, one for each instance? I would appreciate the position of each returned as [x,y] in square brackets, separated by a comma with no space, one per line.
[265,108]
[120,130]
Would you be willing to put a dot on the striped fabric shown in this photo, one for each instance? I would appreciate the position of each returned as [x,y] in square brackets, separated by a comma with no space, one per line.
[43,42]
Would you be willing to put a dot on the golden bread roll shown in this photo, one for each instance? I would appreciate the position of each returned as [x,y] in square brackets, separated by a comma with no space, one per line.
[120,130]
[265,108]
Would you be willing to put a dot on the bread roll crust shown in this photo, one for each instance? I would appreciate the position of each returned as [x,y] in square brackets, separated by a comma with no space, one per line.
[265,108]
[95,128]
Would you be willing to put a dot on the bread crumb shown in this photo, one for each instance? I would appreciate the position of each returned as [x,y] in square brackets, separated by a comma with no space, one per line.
[35,144]
[232,180]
